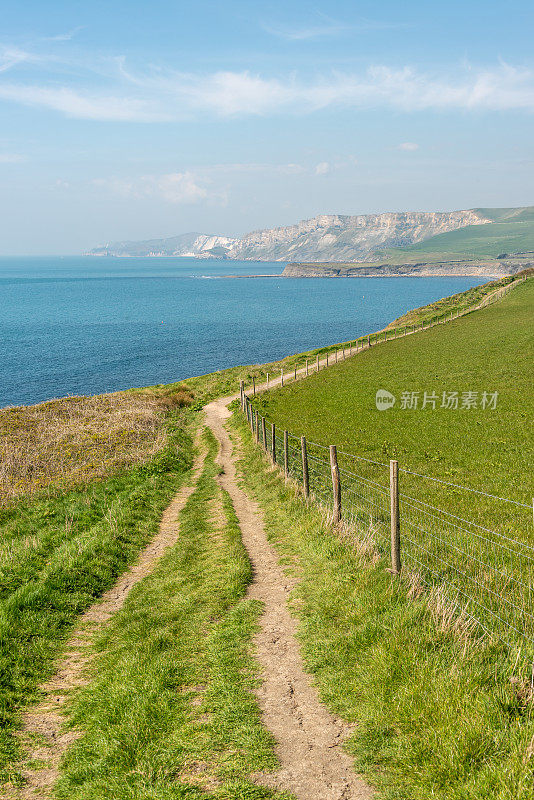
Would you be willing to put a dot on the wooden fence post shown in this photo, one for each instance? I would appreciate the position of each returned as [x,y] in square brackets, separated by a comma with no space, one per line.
[327,358]
[307,370]
[254,386]
[242,394]
[282,375]
[273,443]
[295,372]
[305,476]
[264,433]
[395,520]
[317,362]
[369,340]
[286,455]
[267,380]
[336,484]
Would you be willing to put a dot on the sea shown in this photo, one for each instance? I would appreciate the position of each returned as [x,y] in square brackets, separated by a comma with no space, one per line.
[86,325]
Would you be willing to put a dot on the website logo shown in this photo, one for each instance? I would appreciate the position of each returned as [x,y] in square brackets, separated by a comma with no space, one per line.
[384,400]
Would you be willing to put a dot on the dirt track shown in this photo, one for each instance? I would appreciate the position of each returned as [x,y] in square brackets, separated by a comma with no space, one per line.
[309,739]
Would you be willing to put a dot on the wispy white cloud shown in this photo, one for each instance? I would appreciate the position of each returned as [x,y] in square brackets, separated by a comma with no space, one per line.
[410,147]
[230,93]
[11,57]
[324,26]
[323,168]
[63,37]
[211,184]
[84,105]
[179,188]
[11,158]
[111,92]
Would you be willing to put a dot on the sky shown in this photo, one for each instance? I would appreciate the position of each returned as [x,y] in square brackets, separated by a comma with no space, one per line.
[134,120]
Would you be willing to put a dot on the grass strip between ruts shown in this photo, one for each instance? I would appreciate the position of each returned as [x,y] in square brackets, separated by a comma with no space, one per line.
[170,712]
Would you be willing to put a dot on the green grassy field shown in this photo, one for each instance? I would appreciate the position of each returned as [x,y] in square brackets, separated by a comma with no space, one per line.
[436,713]
[490,350]
[472,546]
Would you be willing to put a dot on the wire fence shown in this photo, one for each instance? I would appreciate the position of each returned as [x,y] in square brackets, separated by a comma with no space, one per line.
[484,575]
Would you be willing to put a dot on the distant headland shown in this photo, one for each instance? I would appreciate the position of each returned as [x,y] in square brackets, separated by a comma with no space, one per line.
[481,242]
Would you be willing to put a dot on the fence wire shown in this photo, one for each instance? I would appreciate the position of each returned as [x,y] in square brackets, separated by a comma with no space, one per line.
[486,575]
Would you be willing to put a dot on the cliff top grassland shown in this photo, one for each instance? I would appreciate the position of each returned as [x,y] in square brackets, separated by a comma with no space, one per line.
[169,708]
[489,350]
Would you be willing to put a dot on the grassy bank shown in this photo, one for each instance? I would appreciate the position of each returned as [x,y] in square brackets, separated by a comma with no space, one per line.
[62,549]
[437,714]
[49,448]
[171,713]
[460,302]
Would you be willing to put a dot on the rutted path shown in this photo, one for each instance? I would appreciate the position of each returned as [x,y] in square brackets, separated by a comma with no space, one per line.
[42,735]
[309,739]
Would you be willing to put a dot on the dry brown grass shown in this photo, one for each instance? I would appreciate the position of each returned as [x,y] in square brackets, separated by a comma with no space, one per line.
[63,443]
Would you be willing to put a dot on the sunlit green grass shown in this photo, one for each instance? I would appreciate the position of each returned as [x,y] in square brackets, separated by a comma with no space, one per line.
[436,714]
[58,554]
[491,450]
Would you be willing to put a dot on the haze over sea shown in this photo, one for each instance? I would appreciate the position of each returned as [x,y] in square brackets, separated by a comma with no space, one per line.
[81,325]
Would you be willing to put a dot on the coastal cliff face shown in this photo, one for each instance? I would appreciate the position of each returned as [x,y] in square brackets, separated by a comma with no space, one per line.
[195,245]
[327,237]
[337,238]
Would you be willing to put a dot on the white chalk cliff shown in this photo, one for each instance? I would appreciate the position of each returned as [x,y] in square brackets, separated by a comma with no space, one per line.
[327,237]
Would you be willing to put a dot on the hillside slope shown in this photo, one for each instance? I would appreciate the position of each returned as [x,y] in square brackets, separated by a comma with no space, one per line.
[488,351]
[511,231]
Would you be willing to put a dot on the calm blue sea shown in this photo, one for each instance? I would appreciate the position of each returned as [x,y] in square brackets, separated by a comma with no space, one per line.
[82,325]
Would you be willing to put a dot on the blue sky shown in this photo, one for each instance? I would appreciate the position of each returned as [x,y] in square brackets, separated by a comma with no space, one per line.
[130,120]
